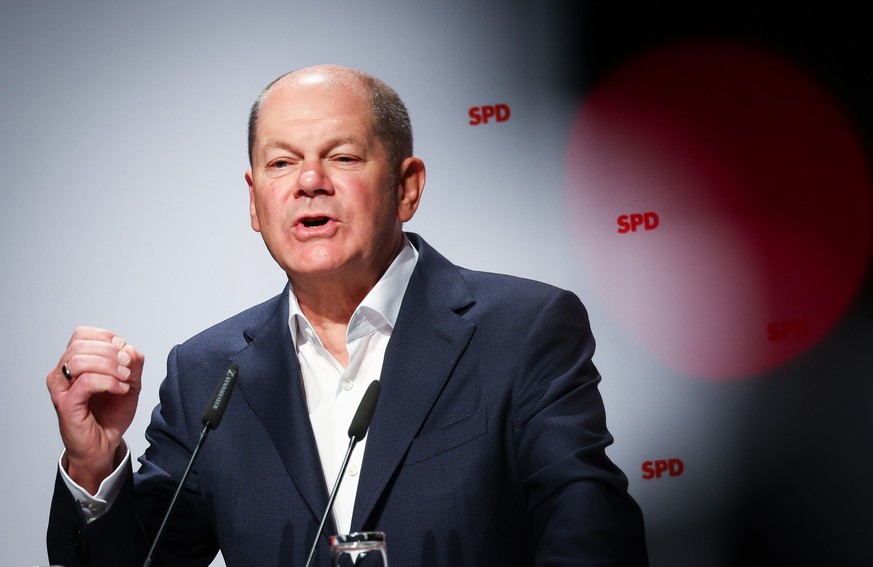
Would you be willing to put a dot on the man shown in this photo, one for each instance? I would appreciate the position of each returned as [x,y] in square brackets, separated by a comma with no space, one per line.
[487,443]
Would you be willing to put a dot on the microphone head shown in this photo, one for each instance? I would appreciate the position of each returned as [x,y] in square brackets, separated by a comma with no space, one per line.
[220,396]
[364,415]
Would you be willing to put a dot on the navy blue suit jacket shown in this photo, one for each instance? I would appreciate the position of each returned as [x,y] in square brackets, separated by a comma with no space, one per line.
[486,448]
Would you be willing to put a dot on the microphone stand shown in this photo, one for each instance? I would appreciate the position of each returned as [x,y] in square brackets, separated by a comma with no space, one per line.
[352,442]
[211,419]
[160,533]
[357,431]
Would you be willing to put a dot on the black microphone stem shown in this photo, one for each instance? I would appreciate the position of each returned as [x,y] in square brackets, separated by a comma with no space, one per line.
[211,418]
[160,532]
[352,442]
[357,431]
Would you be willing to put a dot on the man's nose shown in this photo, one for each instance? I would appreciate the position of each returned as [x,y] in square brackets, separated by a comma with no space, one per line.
[313,180]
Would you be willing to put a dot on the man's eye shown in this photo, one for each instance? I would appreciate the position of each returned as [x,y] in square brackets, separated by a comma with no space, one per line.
[279,164]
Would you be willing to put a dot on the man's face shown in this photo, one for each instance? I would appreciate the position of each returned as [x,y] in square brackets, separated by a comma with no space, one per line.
[320,187]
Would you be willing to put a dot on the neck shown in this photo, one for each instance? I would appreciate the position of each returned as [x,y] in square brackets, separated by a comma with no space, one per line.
[331,299]
[329,302]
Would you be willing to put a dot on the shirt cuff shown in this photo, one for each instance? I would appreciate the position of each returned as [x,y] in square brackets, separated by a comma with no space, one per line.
[94,506]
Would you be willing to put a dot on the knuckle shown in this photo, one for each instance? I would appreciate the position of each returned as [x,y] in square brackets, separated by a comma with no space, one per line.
[74,348]
[55,396]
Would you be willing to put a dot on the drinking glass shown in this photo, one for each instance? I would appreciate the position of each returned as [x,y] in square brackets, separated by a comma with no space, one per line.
[358,549]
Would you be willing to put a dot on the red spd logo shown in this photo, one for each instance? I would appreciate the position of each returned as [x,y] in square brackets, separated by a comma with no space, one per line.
[482,114]
[662,467]
[636,221]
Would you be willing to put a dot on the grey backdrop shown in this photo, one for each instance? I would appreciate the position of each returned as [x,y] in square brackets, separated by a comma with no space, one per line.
[122,150]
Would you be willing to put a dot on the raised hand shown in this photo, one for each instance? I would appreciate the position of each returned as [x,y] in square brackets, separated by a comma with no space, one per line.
[95,388]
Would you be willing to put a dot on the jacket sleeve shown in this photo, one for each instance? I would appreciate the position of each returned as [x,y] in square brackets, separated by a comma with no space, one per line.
[111,541]
[122,536]
[577,500]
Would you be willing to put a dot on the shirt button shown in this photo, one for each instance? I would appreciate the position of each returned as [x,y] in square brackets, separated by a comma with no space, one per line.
[353,470]
[309,334]
[347,385]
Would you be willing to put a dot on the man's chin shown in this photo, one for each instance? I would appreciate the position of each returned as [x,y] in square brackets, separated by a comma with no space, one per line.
[316,269]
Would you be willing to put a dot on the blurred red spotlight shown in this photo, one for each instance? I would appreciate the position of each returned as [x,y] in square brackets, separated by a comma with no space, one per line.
[762,197]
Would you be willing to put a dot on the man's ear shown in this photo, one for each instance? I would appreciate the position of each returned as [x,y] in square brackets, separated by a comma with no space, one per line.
[410,186]
[253,212]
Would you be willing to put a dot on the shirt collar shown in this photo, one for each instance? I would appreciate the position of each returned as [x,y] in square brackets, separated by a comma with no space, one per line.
[378,310]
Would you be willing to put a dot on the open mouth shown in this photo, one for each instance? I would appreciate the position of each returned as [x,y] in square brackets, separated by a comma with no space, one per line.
[314,221]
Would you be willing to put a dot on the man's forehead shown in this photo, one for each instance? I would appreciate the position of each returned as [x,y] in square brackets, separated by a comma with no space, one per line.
[308,95]
[302,106]
[297,116]
[335,141]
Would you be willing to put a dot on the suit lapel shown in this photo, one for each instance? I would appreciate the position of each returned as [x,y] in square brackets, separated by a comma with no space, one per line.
[270,382]
[427,341]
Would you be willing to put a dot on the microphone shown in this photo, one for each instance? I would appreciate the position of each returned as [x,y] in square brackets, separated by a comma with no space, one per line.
[364,415]
[211,419]
[220,396]
[357,432]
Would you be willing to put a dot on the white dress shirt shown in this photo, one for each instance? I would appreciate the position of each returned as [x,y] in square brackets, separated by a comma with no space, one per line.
[332,392]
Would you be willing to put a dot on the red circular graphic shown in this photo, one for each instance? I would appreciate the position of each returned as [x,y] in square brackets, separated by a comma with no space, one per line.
[758,196]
